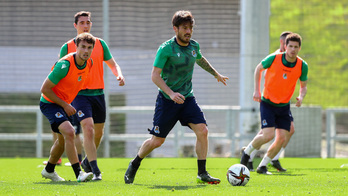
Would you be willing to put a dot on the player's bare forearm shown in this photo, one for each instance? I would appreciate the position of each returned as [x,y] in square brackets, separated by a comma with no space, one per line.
[303,92]
[116,70]
[203,62]
[303,89]
[257,79]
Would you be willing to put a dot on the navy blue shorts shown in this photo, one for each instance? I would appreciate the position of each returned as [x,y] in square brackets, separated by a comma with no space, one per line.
[76,124]
[291,117]
[273,116]
[167,113]
[90,106]
[55,115]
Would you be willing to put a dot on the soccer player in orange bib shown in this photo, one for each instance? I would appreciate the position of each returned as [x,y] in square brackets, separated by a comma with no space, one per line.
[59,89]
[275,161]
[283,72]
[90,101]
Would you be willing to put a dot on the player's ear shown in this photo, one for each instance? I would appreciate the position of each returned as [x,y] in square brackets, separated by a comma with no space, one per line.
[175,28]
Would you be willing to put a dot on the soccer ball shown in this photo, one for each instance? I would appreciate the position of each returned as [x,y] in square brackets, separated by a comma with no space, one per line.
[238,175]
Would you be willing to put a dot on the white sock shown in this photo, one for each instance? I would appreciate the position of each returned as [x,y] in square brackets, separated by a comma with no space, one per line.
[265,161]
[277,156]
[252,155]
[249,149]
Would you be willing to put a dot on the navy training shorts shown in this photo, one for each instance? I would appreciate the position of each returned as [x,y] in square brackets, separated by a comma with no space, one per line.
[273,116]
[90,106]
[167,113]
[55,115]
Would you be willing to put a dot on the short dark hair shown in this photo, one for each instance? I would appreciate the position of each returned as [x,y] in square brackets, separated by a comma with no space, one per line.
[293,37]
[181,17]
[284,34]
[81,13]
[89,38]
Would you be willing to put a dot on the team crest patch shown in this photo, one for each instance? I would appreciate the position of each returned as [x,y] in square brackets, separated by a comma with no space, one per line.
[264,122]
[285,76]
[59,115]
[156,129]
[79,79]
[194,53]
[80,114]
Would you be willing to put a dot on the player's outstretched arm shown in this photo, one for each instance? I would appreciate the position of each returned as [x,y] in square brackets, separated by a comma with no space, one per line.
[303,92]
[257,79]
[116,70]
[203,62]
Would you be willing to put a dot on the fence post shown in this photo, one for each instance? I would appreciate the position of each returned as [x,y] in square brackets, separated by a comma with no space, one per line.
[330,133]
[39,134]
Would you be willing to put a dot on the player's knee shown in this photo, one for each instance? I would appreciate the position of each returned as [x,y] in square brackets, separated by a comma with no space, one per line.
[281,140]
[88,132]
[69,135]
[268,137]
[156,143]
[202,131]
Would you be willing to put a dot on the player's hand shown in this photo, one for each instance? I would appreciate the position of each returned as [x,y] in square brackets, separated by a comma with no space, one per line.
[69,110]
[221,78]
[257,96]
[178,98]
[121,80]
[299,101]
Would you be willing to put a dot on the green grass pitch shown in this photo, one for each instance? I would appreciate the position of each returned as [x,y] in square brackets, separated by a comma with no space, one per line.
[176,176]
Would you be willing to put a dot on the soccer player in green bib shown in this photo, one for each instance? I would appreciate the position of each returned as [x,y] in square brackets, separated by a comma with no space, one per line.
[172,73]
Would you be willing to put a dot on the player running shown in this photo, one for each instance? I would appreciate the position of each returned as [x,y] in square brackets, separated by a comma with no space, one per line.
[172,73]
[59,89]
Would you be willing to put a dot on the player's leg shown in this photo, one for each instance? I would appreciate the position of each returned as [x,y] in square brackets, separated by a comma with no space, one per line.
[273,150]
[56,152]
[54,114]
[192,116]
[250,164]
[283,124]
[99,132]
[260,139]
[164,119]
[146,148]
[275,161]
[68,132]
[57,149]
[78,144]
[87,125]
[201,132]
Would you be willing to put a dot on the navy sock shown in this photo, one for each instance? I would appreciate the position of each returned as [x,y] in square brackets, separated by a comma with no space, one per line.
[76,167]
[201,166]
[136,161]
[80,157]
[50,167]
[86,161]
[94,167]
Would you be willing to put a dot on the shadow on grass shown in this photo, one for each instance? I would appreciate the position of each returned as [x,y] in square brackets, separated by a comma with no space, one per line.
[61,183]
[172,187]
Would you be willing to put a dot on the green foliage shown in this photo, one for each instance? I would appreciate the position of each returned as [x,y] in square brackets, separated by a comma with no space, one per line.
[175,176]
[323,26]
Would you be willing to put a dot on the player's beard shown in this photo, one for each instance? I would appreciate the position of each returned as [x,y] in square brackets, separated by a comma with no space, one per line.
[184,39]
